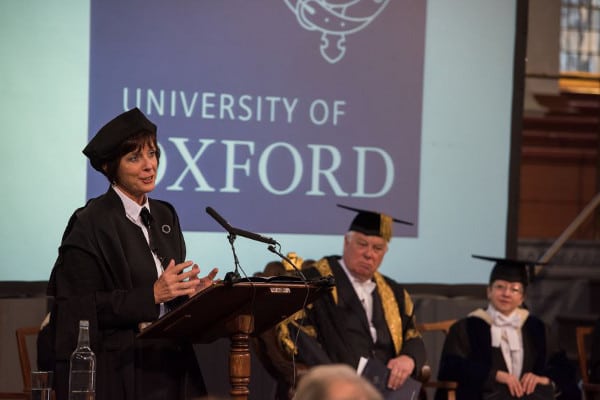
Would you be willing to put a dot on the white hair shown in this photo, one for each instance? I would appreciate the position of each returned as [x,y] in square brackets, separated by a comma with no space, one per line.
[316,384]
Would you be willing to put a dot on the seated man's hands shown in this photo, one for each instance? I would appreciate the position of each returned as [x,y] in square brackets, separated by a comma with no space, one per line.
[401,368]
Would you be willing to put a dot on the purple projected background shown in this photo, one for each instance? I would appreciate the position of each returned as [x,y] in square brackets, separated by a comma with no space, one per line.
[255,119]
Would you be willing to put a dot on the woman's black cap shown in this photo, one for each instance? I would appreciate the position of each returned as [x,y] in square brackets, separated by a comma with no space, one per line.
[104,144]
[510,270]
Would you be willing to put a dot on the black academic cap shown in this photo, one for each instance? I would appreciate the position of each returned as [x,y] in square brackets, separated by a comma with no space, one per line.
[103,145]
[373,223]
[511,270]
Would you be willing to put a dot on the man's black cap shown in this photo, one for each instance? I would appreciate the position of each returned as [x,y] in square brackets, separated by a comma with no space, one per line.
[373,223]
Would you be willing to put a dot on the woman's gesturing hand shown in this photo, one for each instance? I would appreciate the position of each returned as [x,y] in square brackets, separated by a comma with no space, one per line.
[174,282]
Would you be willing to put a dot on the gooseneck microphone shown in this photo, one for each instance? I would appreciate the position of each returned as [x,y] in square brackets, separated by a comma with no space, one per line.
[217,217]
[272,249]
[254,236]
[237,231]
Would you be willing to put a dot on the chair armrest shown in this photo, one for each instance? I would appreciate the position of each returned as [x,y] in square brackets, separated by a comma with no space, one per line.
[447,385]
[425,374]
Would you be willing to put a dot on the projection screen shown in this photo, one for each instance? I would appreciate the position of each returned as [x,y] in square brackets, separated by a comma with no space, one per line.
[270,112]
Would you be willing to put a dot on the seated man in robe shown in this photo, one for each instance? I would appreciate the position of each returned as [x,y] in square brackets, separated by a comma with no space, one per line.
[366,315]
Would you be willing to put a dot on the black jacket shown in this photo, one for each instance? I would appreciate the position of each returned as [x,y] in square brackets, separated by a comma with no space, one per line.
[105,273]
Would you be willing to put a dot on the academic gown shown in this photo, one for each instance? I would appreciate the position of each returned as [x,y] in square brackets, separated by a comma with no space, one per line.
[105,274]
[469,359]
[342,330]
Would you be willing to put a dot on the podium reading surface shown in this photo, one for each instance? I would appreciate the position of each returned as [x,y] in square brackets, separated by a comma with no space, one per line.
[236,310]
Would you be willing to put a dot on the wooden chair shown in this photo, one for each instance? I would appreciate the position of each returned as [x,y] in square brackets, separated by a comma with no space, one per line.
[25,337]
[590,390]
[448,386]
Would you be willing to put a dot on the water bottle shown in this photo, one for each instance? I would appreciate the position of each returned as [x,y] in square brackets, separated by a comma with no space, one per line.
[82,373]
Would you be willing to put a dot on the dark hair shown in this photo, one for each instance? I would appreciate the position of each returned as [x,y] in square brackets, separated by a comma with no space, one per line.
[135,142]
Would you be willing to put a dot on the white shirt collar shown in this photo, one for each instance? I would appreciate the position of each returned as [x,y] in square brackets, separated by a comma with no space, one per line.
[132,209]
[367,286]
[491,310]
[518,314]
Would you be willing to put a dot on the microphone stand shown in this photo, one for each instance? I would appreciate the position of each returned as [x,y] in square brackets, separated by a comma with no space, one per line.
[231,277]
[272,249]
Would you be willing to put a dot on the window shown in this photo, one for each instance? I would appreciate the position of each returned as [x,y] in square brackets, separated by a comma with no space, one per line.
[580,36]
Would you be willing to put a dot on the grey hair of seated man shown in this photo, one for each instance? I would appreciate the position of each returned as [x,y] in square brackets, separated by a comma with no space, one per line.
[335,382]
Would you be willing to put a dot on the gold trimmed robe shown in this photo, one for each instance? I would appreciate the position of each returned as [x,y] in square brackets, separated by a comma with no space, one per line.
[334,329]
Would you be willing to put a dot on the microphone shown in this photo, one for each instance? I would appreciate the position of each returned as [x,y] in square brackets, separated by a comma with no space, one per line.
[217,217]
[254,236]
[272,249]
[239,232]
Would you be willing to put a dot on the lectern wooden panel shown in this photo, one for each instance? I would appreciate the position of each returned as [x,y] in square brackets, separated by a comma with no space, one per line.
[236,310]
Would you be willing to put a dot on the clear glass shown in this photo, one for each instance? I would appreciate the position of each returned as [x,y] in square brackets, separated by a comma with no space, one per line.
[512,289]
[41,385]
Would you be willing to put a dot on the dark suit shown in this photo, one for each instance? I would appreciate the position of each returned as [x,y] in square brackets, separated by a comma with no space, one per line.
[105,274]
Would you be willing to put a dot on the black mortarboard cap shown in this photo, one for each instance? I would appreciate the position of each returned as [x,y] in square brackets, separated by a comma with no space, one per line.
[103,145]
[373,223]
[511,270]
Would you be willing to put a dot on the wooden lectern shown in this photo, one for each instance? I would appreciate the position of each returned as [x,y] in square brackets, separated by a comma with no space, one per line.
[236,310]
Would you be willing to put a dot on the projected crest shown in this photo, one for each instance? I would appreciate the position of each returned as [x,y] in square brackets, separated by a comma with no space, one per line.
[335,19]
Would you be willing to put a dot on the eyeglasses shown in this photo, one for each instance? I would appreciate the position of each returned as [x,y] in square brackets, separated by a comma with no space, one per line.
[502,287]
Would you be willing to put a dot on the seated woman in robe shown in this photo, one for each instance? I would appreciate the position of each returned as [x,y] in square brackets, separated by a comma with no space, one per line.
[503,352]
